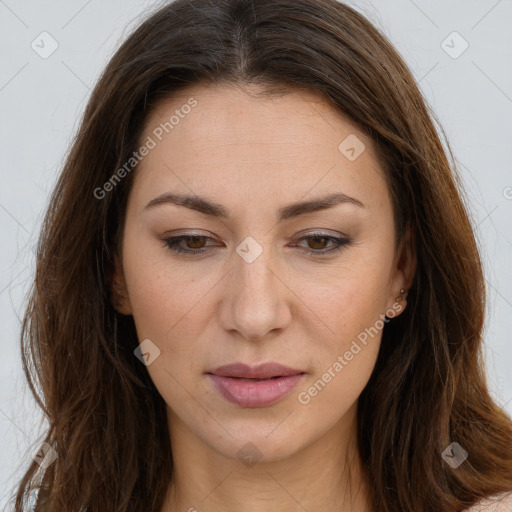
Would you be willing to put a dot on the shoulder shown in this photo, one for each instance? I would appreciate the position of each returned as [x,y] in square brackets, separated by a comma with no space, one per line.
[500,503]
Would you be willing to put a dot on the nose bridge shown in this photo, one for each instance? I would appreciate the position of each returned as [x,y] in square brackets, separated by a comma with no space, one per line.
[256,301]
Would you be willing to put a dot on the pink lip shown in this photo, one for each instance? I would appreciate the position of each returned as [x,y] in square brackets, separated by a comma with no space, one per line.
[257,386]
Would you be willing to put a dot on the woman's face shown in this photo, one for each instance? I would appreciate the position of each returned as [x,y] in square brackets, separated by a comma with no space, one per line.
[289,211]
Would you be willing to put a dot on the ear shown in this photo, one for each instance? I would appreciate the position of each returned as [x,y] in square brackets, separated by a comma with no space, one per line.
[404,270]
[119,291]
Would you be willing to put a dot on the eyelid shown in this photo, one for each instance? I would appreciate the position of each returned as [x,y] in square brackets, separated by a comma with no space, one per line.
[322,232]
[301,234]
[340,241]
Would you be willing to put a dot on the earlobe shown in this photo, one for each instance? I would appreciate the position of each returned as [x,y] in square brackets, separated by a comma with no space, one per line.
[398,305]
[400,302]
[404,271]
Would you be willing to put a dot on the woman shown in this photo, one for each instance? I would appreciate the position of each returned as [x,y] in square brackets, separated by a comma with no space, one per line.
[257,284]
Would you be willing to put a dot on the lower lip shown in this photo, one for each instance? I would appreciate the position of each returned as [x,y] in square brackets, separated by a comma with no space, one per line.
[255,393]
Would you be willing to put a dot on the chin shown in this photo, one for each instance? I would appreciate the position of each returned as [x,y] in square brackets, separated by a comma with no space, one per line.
[259,443]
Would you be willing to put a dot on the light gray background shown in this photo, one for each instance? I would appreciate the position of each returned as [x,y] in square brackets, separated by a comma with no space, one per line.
[41,101]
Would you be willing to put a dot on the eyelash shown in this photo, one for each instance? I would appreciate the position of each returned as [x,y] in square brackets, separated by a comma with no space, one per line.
[172,244]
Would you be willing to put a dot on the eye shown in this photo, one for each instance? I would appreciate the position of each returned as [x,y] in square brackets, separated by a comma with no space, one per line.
[318,241]
[194,243]
[317,245]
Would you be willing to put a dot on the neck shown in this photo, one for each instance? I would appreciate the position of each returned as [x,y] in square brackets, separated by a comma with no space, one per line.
[325,475]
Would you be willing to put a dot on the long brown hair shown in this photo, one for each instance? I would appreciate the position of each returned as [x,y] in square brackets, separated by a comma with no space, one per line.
[107,421]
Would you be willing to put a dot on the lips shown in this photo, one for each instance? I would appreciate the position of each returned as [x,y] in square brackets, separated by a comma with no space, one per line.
[257,386]
[262,371]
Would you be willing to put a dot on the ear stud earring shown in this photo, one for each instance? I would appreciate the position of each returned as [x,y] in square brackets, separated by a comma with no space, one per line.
[402,291]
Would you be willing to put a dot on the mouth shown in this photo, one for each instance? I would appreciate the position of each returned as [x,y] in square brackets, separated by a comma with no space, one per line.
[257,386]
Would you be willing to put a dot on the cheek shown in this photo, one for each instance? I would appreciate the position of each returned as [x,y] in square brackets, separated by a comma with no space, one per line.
[347,304]
[172,309]
[168,310]
[345,357]
[328,396]
[358,309]
[165,298]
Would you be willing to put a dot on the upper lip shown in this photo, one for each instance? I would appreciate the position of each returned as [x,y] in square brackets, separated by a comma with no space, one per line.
[261,371]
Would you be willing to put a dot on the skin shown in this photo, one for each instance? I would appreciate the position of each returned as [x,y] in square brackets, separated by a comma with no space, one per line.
[253,156]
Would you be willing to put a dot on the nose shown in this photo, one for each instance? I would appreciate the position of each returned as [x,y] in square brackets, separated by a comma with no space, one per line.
[256,301]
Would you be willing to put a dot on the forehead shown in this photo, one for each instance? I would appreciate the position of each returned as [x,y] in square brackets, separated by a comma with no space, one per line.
[217,137]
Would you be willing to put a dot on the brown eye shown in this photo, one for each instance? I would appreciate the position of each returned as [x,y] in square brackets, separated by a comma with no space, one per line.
[195,242]
[187,244]
[317,244]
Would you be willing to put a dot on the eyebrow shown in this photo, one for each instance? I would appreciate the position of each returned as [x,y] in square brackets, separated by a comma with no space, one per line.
[214,209]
